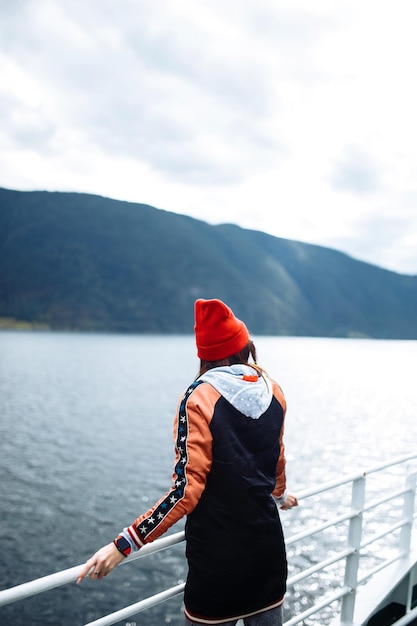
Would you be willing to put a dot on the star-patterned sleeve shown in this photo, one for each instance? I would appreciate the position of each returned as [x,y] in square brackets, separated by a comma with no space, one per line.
[193,458]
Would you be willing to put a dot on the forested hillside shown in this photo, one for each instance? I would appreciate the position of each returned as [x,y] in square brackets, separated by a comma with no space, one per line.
[84,262]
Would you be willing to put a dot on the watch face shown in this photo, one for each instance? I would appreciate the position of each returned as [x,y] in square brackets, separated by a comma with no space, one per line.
[123,545]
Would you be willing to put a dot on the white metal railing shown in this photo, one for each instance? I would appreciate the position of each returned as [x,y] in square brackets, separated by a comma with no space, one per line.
[351,554]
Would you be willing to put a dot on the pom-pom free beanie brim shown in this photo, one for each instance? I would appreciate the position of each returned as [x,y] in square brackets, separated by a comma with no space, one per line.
[218,333]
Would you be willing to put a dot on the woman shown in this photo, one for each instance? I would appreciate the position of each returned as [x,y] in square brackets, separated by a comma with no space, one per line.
[229,474]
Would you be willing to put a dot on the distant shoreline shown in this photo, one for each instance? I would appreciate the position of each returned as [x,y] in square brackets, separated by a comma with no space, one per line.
[10,323]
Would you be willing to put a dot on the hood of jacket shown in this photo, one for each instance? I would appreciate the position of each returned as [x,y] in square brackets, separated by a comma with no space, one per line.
[243,386]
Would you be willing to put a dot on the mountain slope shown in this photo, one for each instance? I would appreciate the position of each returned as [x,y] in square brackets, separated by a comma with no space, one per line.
[81,261]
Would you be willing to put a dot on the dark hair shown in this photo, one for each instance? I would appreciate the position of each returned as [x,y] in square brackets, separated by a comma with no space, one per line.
[240,357]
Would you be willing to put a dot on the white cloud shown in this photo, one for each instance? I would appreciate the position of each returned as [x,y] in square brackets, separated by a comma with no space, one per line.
[355,171]
[288,116]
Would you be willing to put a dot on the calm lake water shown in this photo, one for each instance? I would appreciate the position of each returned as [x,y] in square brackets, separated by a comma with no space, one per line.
[86,446]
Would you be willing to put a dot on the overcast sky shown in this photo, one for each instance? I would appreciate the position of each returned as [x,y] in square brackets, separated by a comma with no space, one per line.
[295,117]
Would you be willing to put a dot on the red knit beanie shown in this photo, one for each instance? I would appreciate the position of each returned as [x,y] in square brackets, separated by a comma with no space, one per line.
[218,333]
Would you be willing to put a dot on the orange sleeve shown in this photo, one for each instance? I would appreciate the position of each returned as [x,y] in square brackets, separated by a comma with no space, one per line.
[193,460]
[280,480]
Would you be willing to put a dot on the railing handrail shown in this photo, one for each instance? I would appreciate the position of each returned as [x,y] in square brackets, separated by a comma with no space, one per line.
[63,577]
[348,478]
[66,576]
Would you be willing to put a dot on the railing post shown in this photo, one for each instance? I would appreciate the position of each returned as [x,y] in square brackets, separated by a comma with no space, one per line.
[354,541]
[408,512]
[405,536]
